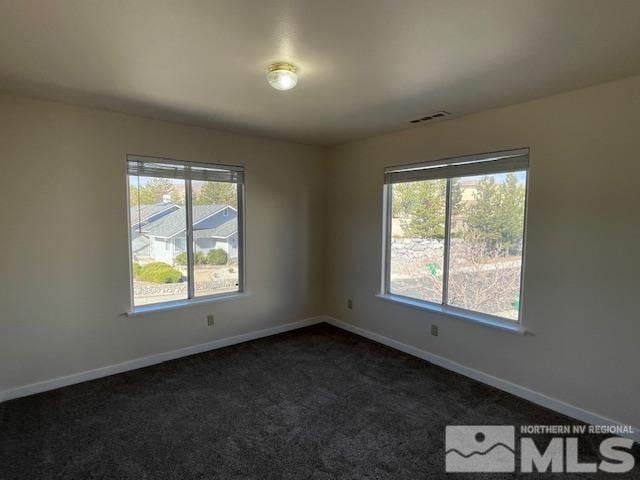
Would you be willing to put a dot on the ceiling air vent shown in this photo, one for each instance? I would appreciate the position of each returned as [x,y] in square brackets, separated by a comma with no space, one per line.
[431,116]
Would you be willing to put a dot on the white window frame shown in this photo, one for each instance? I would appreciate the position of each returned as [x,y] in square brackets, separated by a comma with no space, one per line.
[486,163]
[191,298]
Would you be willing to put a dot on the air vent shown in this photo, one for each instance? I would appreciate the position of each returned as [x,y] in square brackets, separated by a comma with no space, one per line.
[431,116]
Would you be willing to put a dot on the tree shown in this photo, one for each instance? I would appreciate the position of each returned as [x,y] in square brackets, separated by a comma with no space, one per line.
[216,193]
[153,191]
[486,231]
[496,216]
[421,206]
[133,195]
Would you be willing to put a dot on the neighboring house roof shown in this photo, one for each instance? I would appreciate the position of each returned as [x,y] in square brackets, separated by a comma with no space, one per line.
[224,230]
[141,213]
[138,245]
[175,222]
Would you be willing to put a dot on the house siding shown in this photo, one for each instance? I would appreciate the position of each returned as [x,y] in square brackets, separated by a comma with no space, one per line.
[162,250]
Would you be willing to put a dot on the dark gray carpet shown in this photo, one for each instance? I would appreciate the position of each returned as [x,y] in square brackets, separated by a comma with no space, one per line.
[314,403]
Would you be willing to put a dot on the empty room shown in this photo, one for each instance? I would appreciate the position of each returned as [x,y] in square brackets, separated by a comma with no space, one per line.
[337,239]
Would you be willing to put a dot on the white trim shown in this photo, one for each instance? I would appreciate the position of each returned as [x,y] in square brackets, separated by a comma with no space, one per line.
[154,359]
[187,302]
[476,317]
[473,162]
[499,383]
[504,385]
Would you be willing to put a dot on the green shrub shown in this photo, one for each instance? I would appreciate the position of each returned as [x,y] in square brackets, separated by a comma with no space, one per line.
[135,268]
[181,258]
[217,257]
[159,272]
[199,258]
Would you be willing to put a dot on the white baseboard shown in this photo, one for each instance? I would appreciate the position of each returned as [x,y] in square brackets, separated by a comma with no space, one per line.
[509,387]
[141,362]
[512,388]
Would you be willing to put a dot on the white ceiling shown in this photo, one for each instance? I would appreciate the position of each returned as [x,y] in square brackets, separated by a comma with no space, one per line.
[366,66]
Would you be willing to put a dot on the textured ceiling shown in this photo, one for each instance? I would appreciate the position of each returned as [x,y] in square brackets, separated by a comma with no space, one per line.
[366,66]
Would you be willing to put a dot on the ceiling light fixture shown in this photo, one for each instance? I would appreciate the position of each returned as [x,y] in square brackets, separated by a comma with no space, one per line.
[282,76]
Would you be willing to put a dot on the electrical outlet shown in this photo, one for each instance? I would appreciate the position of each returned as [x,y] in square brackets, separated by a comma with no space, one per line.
[349,304]
[210,320]
[434,330]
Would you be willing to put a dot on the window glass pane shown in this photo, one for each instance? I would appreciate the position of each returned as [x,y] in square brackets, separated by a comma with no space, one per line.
[487,226]
[417,239]
[215,237]
[158,221]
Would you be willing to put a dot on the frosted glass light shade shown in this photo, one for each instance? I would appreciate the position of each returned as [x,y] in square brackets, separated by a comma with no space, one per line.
[282,76]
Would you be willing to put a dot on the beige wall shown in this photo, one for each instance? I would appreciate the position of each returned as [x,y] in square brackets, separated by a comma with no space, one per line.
[62,193]
[63,255]
[582,273]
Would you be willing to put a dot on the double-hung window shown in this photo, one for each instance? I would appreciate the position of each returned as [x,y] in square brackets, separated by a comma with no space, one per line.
[454,235]
[185,229]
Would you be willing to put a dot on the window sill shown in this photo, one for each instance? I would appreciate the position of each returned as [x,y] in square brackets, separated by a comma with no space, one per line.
[180,304]
[479,318]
